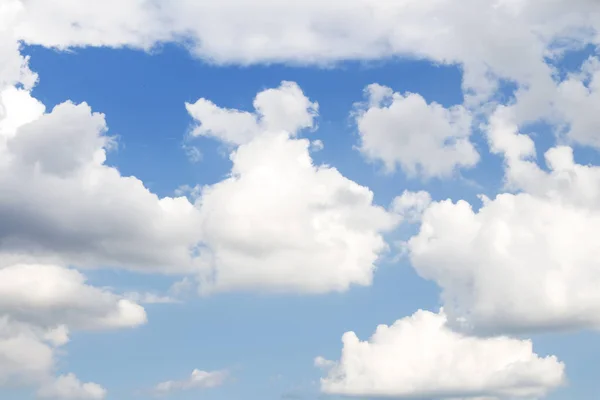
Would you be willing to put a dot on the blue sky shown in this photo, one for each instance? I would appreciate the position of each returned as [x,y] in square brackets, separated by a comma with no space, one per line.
[512,268]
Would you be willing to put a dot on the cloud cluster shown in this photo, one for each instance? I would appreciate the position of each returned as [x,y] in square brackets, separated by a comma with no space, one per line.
[523,262]
[318,33]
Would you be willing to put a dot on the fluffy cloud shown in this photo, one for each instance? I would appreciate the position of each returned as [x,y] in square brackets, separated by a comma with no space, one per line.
[39,305]
[311,32]
[49,295]
[577,100]
[421,138]
[197,380]
[64,203]
[68,387]
[522,262]
[419,357]
[25,356]
[14,68]
[285,108]
[410,205]
[568,104]
[281,223]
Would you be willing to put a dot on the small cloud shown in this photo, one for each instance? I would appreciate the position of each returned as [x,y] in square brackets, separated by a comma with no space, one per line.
[182,287]
[316,145]
[193,153]
[197,380]
[150,298]
[68,387]
[191,192]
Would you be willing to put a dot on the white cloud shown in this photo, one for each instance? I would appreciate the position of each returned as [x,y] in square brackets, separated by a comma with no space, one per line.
[285,108]
[312,32]
[419,357]
[39,306]
[193,153]
[568,105]
[577,101]
[67,205]
[422,139]
[197,380]
[14,68]
[68,387]
[25,357]
[523,262]
[410,205]
[150,298]
[48,295]
[278,222]
[281,223]
[316,145]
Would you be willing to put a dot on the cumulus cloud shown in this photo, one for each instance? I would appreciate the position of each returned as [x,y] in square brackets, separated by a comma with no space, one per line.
[39,306]
[48,295]
[285,108]
[63,202]
[523,262]
[197,380]
[419,357]
[422,139]
[281,223]
[68,387]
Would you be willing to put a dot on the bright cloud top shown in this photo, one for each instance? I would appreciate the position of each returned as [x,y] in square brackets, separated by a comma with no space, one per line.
[285,108]
[419,357]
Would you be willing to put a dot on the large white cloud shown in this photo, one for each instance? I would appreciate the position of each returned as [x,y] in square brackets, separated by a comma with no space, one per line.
[285,108]
[419,357]
[61,200]
[422,139]
[281,223]
[486,39]
[523,262]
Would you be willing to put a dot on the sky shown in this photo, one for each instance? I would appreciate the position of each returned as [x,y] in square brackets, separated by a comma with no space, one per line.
[299,200]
